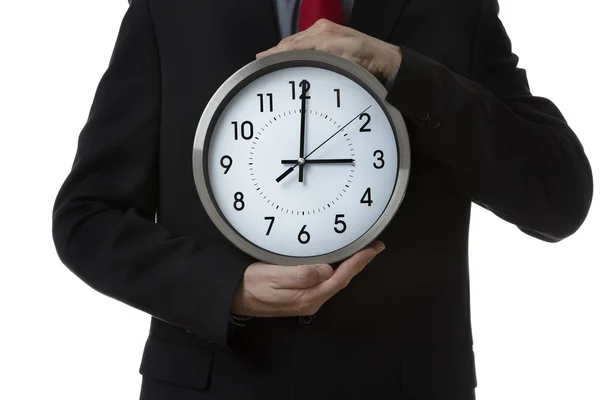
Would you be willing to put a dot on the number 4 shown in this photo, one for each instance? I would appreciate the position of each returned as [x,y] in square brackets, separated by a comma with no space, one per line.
[366,199]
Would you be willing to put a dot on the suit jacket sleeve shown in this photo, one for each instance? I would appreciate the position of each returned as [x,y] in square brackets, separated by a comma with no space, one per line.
[507,150]
[104,215]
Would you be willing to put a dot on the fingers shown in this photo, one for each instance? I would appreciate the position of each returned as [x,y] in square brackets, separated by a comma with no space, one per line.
[276,290]
[346,271]
[307,43]
[321,278]
[301,276]
[310,39]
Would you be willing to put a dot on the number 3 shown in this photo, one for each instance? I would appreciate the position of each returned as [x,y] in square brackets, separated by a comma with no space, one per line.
[379,155]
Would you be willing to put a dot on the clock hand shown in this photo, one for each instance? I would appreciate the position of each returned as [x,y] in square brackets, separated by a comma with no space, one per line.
[322,161]
[286,173]
[304,85]
[302,161]
[341,129]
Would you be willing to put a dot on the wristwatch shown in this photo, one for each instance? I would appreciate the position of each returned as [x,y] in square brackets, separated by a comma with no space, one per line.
[239,320]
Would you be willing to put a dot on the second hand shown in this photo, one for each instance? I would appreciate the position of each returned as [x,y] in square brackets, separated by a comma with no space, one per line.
[290,169]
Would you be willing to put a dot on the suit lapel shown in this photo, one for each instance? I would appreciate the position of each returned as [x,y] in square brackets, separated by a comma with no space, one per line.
[258,22]
[376,17]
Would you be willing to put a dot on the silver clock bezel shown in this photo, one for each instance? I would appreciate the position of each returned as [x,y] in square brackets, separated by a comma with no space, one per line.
[258,68]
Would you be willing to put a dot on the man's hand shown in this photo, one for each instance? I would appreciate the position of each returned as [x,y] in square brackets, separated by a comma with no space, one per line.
[380,58]
[284,291]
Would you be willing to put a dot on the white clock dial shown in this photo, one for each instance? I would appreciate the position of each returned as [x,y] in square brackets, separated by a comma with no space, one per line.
[348,173]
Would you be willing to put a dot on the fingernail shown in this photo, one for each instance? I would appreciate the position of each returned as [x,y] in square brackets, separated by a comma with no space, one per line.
[324,271]
[379,247]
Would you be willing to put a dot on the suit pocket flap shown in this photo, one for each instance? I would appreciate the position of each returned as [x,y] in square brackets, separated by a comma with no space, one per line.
[177,364]
[439,373]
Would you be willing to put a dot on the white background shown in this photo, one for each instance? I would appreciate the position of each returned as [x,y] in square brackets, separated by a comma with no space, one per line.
[535,305]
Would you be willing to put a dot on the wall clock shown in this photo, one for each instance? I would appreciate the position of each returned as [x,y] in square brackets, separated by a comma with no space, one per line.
[298,158]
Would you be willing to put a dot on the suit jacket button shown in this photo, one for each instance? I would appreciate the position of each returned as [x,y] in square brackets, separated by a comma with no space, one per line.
[434,123]
[307,320]
[423,116]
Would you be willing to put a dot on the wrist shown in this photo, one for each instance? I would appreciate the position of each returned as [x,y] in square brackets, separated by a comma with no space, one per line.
[395,60]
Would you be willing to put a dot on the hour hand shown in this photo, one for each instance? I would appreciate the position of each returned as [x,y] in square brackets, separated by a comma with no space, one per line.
[322,161]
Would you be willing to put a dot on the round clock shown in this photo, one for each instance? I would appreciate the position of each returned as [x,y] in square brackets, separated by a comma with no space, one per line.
[298,158]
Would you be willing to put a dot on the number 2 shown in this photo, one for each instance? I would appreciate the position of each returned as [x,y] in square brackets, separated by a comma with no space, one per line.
[364,127]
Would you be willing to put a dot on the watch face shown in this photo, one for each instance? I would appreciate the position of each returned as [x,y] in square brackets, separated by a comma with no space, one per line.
[301,161]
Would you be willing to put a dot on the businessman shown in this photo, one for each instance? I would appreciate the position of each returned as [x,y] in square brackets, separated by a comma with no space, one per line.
[385,324]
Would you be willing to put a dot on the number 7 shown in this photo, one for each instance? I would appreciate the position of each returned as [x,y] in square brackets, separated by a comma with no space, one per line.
[272,219]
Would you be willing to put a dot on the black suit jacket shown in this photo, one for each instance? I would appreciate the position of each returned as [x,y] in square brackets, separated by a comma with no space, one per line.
[402,327]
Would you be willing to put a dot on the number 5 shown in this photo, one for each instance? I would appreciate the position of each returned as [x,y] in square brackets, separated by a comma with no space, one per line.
[338,221]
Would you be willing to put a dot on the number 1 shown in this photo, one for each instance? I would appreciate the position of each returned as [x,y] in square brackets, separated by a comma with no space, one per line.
[338,96]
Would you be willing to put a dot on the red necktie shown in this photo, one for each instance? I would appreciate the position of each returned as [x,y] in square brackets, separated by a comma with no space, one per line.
[313,10]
